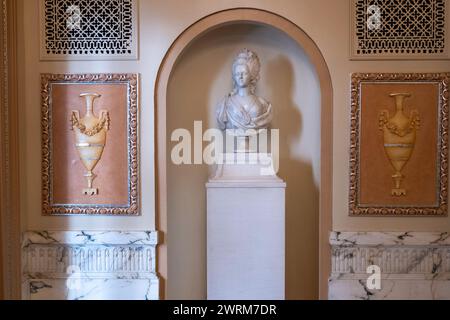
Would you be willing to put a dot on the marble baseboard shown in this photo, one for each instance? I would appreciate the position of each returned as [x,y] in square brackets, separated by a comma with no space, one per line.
[89,265]
[413,265]
[93,289]
[391,289]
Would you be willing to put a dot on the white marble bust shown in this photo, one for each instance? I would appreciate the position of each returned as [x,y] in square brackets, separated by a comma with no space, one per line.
[241,108]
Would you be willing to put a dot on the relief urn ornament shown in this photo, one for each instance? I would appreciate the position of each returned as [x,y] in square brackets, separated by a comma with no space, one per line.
[90,138]
[399,134]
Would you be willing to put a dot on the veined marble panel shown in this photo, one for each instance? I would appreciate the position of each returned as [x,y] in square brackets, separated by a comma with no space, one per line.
[413,265]
[348,239]
[89,265]
[90,237]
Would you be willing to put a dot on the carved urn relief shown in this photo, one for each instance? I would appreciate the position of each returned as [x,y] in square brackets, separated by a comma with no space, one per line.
[399,134]
[90,138]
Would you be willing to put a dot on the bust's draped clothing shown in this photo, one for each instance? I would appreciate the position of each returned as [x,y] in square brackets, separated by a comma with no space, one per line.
[232,115]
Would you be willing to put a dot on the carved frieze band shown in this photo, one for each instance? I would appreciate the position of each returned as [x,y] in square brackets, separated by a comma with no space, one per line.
[394,252]
[57,259]
[55,252]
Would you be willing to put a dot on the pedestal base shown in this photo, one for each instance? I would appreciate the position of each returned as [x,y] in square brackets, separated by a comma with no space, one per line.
[245,237]
[90,191]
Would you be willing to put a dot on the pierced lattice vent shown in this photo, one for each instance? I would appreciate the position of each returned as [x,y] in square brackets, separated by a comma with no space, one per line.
[399,29]
[88,29]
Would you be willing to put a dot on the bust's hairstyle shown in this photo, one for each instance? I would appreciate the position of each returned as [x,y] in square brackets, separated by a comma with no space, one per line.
[251,60]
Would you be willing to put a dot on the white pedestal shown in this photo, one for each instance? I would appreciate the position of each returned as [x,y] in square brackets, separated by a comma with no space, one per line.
[245,234]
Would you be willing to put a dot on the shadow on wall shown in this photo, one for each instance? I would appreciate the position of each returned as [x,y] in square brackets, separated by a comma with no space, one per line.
[200,79]
[302,194]
[188,101]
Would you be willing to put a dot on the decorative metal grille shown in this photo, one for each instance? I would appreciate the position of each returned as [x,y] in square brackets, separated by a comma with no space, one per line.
[88,29]
[399,28]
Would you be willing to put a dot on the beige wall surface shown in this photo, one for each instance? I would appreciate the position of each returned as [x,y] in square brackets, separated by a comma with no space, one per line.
[29,72]
[325,21]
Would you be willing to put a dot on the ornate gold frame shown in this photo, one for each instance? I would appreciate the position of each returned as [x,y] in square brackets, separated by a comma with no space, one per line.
[443,79]
[132,207]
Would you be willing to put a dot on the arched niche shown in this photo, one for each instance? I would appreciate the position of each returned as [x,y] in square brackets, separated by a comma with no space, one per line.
[181,44]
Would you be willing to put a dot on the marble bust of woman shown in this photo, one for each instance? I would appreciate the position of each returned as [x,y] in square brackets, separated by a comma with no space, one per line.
[241,108]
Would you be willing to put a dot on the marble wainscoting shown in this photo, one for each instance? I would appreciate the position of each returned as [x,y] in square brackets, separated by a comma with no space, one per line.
[100,265]
[413,265]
